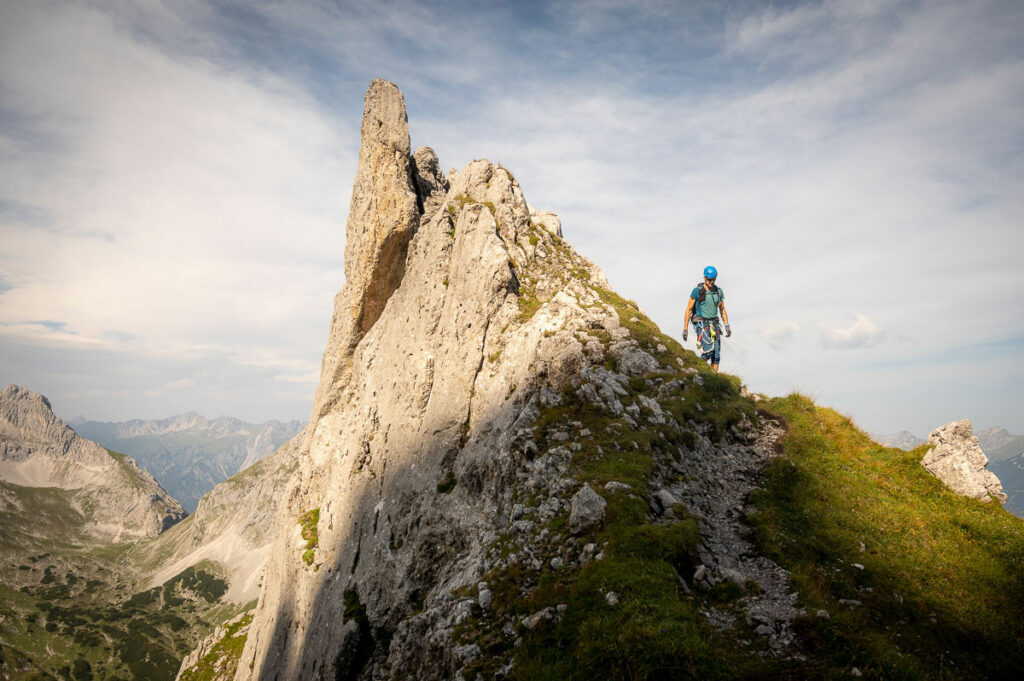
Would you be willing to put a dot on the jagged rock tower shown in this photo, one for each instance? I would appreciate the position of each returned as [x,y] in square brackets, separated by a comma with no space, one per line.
[463,317]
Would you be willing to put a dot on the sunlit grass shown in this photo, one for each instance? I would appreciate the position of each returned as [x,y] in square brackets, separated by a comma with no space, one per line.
[942,583]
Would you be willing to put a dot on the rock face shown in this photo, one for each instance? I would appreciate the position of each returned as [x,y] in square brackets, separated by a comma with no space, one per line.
[383,215]
[463,319]
[120,501]
[957,460]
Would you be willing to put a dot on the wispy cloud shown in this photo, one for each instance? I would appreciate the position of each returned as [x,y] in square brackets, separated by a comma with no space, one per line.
[862,333]
[781,334]
[181,383]
[169,202]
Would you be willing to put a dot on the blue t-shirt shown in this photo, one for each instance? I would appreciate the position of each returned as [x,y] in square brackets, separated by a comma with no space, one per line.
[712,299]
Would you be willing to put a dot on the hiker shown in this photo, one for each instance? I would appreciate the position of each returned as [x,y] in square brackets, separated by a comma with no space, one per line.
[705,301]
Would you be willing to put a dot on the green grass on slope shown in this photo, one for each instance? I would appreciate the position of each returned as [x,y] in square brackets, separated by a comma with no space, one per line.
[654,631]
[941,589]
[129,475]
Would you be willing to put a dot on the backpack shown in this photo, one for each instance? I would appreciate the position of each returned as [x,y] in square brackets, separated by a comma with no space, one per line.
[702,295]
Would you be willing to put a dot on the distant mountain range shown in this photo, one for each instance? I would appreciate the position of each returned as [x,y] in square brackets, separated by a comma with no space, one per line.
[189,454]
[901,440]
[1000,445]
[1005,452]
[1011,473]
[51,476]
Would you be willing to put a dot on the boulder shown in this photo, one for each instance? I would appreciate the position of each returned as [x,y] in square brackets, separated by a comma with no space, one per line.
[587,510]
[957,460]
[664,500]
[548,221]
[633,361]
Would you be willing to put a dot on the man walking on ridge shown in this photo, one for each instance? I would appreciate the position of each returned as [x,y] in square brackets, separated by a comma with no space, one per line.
[705,301]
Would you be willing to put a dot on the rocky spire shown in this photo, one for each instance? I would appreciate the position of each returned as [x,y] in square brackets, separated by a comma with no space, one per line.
[454,328]
[430,363]
[383,216]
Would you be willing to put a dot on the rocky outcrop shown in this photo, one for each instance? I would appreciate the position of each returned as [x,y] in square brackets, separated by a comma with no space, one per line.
[119,500]
[958,461]
[457,330]
[383,215]
[587,510]
[431,184]
[548,221]
[216,656]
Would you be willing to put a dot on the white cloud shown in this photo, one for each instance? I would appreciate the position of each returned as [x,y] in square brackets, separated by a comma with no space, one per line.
[812,32]
[825,156]
[863,333]
[170,204]
[780,335]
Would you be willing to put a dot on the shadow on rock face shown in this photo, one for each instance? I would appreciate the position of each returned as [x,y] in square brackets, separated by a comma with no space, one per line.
[430,374]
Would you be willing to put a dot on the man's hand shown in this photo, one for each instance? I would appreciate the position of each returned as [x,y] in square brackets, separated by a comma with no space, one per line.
[728,331]
[684,334]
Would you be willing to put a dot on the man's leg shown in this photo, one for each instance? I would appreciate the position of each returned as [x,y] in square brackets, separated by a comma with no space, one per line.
[716,352]
[705,341]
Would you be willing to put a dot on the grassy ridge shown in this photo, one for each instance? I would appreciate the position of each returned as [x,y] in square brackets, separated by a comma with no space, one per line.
[650,629]
[941,587]
[915,582]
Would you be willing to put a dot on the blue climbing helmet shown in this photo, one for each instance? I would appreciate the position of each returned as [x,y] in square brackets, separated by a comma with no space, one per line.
[710,272]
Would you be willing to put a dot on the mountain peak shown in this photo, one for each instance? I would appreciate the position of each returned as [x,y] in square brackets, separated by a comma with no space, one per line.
[121,500]
[903,440]
[29,413]
[465,320]
[384,214]
[998,443]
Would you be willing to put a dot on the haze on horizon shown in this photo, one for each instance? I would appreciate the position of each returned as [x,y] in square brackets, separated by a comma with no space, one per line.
[175,177]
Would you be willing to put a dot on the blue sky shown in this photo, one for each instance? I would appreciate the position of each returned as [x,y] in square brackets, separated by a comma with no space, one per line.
[175,176]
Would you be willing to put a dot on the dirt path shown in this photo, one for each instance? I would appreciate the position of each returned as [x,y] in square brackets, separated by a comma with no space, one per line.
[717,481]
